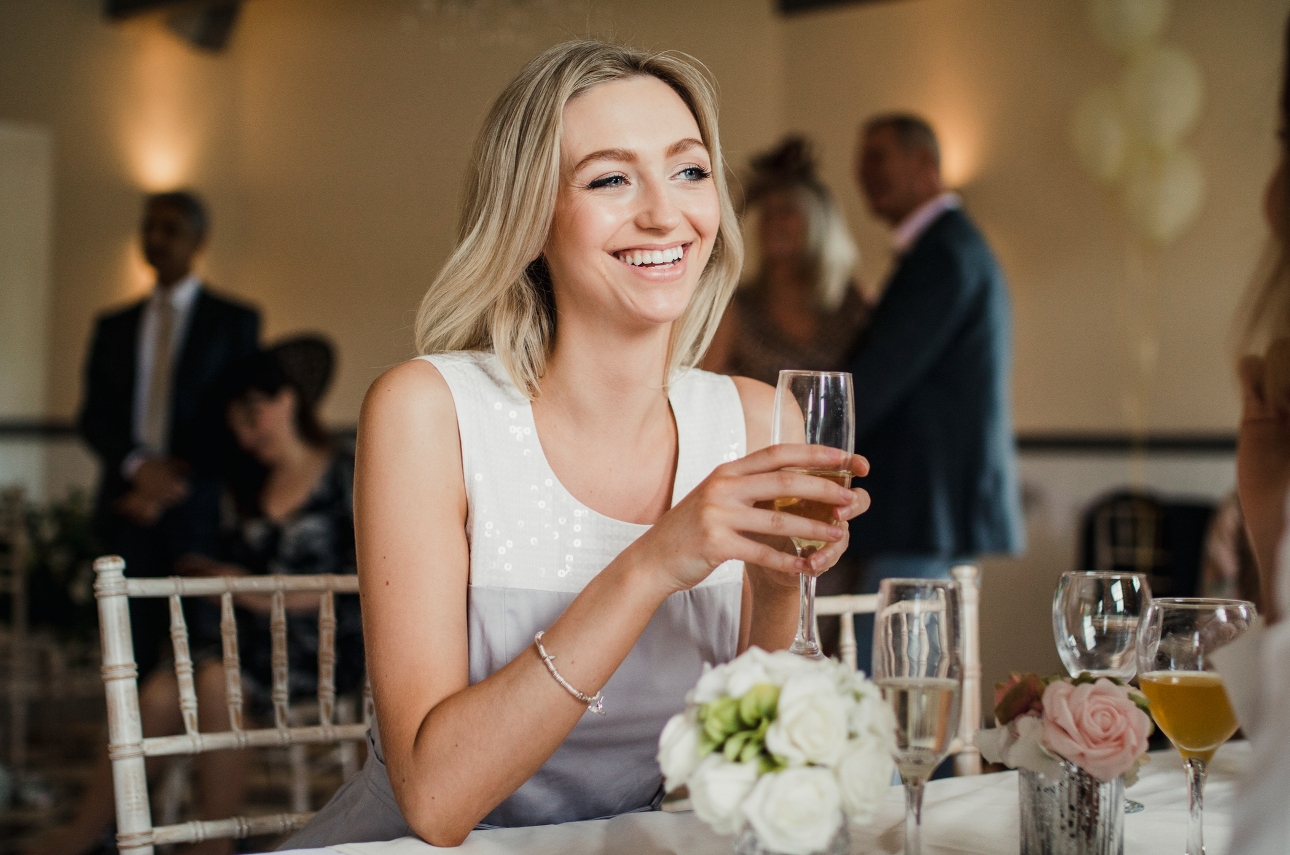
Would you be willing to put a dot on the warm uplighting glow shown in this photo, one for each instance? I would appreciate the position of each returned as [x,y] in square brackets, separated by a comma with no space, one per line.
[159,120]
[960,153]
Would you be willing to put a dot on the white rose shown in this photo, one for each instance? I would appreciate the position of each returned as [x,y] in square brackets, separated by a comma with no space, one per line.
[782,665]
[864,777]
[1017,746]
[871,716]
[747,671]
[678,749]
[711,685]
[811,725]
[796,811]
[717,791]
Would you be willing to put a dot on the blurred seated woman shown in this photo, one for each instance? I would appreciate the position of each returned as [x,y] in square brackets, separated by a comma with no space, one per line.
[293,515]
[799,306]
[554,474]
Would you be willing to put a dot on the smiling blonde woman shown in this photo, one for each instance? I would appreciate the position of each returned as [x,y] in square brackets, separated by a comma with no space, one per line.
[558,519]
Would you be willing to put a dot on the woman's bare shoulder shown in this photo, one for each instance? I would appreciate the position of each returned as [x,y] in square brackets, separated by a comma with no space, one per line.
[758,400]
[410,406]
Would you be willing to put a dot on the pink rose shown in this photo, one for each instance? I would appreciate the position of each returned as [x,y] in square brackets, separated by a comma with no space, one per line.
[1095,726]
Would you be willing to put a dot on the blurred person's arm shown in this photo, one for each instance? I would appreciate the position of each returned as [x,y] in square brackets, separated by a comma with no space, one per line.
[1263,461]
[109,441]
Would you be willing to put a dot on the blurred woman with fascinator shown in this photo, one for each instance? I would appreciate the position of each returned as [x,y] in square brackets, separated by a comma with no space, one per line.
[1256,667]
[798,305]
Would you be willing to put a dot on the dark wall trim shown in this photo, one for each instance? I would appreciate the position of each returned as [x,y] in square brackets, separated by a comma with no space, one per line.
[1091,443]
[790,7]
[1123,443]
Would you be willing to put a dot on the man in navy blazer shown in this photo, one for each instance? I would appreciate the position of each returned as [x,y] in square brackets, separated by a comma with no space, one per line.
[932,376]
[152,414]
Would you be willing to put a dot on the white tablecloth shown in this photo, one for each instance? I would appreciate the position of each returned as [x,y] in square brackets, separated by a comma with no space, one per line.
[961,816]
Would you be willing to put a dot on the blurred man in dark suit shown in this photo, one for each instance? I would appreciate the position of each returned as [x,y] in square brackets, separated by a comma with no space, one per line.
[151,412]
[932,376]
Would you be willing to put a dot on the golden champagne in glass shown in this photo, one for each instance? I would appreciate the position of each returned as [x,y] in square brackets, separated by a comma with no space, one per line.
[1176,638]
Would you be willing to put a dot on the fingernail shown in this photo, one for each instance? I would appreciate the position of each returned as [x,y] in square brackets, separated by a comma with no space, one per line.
[800,564]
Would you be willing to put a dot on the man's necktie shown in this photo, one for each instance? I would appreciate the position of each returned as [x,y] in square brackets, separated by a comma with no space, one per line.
[156,417]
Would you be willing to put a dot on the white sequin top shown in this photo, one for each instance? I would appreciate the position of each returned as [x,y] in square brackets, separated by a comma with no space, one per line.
[533,547]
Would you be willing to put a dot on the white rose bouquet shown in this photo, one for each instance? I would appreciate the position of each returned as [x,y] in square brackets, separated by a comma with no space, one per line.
[782,747]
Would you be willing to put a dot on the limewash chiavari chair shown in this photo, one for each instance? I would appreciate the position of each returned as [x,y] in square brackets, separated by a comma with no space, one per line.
[128,748]
[967,757]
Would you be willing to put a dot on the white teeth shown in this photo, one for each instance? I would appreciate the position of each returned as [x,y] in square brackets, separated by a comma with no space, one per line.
[656,256]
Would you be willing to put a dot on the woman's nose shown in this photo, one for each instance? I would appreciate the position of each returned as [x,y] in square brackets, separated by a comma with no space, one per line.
[659,211]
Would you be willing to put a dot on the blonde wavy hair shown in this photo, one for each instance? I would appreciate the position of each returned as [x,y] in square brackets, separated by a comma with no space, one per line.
[495,292]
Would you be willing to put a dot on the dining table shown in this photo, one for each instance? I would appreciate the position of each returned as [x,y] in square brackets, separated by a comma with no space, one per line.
[972,815]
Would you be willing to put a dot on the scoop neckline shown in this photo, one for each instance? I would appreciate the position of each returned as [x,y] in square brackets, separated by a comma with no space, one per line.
[555,478]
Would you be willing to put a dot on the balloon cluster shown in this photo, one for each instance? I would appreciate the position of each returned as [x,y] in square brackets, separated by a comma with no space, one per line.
[1128,135]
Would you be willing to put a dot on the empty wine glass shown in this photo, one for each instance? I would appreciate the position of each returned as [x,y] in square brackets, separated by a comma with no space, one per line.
[1188,700]
[1095,622]
[812,407]
[918,665]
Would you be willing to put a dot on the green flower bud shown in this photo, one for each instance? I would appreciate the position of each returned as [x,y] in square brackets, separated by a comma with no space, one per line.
[758,703]
[751,750]
[736,744]
[723,718]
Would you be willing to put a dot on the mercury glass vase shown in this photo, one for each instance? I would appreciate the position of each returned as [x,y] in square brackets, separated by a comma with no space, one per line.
[749,844]
[1076,815]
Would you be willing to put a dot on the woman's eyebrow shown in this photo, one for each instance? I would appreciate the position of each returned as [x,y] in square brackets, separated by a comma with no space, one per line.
[628,156]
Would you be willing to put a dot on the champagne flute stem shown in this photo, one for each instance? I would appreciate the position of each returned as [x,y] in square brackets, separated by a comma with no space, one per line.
[805,643]
[914,817]
[1195,805]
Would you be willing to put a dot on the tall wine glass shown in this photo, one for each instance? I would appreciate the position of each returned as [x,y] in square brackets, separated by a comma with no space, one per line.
[1187,697]
[918,665]
[1095,625]
[813,407]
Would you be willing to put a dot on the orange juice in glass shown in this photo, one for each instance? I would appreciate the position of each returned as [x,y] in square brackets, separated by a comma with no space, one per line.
[1188,701]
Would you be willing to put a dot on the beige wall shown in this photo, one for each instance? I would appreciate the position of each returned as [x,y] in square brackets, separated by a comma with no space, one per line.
[331,138]
[999,78]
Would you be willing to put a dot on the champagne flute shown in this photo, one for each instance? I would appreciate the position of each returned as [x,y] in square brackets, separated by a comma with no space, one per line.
[813,407]
[918,665]
[1095,624]
[1187,697]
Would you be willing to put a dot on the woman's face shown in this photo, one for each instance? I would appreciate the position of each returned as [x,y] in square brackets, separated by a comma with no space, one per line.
[637,211]
[264,424]
[782,227]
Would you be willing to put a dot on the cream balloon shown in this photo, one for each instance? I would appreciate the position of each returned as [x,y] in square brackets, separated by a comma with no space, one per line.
[1162,91]
[1163,193]
[1098,134]
[1126,26]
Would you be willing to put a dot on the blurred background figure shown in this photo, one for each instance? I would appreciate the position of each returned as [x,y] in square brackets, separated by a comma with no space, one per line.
[932,380]
[151,411]
[290,512]
[797,305]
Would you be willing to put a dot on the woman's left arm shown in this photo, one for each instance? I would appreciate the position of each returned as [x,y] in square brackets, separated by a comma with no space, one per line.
[770,603]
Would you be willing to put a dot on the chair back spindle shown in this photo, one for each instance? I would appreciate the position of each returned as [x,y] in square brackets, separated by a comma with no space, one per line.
[128,747]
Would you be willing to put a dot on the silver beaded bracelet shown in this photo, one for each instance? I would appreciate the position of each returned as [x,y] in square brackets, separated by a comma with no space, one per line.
[595,703]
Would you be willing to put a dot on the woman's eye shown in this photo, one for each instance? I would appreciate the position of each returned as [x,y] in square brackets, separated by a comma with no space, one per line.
[608,181]
[695,173]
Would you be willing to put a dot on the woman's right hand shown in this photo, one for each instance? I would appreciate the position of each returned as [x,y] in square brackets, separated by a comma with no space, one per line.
[728,515]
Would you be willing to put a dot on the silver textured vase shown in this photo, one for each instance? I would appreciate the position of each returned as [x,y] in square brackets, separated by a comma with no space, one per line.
[1076,815]
[748,844]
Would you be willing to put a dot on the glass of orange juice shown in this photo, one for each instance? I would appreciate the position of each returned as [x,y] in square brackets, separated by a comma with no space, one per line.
[1175,641]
